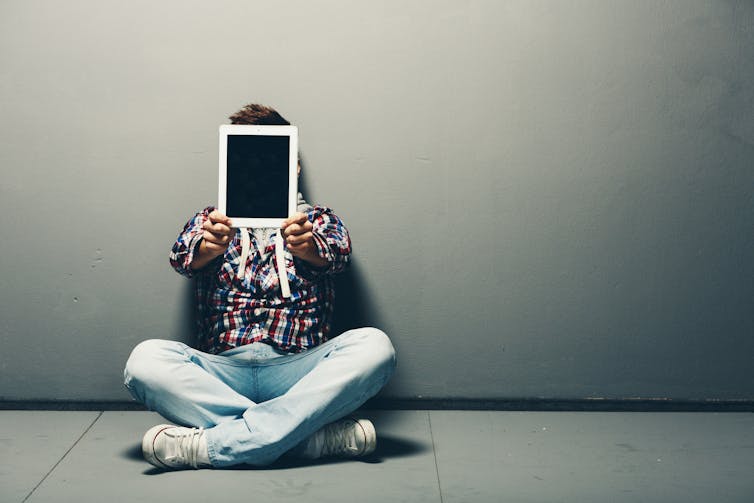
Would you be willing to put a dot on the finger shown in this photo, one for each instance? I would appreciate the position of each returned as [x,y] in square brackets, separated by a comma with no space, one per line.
[296,218]
[296,229]
[300,249]
[220,239]
[214,247]
[299,239]
[217,217]
[217,228]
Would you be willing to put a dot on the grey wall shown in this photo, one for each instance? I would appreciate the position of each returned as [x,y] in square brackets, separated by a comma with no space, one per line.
[547,199]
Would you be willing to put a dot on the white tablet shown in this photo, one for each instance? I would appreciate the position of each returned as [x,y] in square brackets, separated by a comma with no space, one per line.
[258,177]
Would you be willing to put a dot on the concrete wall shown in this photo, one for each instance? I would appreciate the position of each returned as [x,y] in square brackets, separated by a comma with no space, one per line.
[548,199]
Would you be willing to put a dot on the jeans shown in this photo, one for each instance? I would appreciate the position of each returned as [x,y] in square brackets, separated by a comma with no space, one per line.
[255,402]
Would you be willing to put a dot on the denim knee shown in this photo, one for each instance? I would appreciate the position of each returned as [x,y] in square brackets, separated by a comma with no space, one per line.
[146,363]
[383,348]
[377,352]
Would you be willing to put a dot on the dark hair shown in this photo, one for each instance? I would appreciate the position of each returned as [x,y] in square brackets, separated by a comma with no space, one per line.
[258,115]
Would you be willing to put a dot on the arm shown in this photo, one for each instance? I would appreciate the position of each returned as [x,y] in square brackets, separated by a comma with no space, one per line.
[205,237]
[319,239]
[217,234]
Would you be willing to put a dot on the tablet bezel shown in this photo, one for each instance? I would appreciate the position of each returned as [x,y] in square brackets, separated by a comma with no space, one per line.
[290,131]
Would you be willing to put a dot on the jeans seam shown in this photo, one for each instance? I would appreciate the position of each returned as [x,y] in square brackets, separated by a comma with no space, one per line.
[285,359]
[221,360]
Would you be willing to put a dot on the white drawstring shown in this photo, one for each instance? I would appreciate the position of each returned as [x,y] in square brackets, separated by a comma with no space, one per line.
[245,245]
[279,258]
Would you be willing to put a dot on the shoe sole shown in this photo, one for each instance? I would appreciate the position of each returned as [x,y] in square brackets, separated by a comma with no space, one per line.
[147,445]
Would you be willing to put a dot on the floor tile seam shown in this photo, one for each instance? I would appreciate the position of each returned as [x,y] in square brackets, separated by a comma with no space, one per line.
[75,443]
[434,453]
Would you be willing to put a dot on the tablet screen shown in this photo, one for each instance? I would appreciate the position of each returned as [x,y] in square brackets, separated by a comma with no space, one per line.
[257,184]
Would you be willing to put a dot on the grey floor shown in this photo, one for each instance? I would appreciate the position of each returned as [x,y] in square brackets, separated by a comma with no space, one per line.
[433,456]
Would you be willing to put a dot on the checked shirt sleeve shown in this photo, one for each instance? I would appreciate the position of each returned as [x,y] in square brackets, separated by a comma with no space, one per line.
[332,240]
[185,246]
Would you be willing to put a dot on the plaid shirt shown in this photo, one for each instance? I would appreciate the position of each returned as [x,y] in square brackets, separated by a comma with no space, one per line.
[234,311]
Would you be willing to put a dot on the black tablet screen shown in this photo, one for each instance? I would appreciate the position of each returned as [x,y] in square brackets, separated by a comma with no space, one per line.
[257,180]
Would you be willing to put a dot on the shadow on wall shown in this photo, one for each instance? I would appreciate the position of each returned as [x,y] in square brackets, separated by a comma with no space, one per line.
[354,307]
[187,320]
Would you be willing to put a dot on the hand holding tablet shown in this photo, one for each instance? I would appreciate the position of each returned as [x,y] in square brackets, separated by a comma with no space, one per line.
[217,232]
[259,188]
[297,231]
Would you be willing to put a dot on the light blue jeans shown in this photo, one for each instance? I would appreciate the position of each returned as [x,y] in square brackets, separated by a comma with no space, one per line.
[255,402]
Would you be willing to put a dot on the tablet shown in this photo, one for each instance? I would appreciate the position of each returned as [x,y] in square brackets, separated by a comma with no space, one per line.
[258,178]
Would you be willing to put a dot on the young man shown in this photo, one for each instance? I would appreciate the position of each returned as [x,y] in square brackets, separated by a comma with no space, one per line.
[266,378]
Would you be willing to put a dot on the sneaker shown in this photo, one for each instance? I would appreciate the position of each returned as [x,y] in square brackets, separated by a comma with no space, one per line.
[175,447]
[347,438]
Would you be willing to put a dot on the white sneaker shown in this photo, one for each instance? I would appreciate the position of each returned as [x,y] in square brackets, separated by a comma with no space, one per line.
[347,438]
[175,447]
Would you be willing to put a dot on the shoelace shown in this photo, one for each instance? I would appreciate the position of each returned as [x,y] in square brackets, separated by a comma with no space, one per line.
[339,439]
[186,445]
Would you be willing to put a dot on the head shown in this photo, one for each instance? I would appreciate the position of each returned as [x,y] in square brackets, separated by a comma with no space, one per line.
[259,115]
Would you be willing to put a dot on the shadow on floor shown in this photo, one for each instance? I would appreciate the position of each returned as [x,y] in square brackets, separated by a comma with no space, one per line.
[387,447]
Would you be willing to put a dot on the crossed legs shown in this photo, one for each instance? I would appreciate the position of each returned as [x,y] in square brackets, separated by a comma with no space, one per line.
[256,403]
